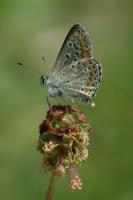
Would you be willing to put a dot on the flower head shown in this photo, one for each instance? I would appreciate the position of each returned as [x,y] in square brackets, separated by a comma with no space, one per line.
[63,141]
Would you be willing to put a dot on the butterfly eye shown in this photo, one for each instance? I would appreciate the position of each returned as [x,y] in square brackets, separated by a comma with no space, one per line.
[43,80]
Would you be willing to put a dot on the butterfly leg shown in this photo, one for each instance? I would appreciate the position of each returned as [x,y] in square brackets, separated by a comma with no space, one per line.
[64,99]
[48,101]
[59,100]
[73,102]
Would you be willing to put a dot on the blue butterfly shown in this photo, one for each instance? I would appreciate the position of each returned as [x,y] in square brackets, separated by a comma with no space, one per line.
[76,73]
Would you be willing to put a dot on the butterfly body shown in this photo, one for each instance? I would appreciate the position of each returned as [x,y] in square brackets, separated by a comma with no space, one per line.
[76,73]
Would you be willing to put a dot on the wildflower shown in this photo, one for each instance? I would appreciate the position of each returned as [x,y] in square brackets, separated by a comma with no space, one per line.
[63,141]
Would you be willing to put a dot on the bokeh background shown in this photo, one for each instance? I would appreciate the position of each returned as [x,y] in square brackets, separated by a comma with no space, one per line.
[32,29]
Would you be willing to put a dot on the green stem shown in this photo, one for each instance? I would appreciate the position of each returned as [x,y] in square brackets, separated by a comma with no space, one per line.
[51,187]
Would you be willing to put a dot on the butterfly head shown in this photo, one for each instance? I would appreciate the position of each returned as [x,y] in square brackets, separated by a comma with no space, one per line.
[43,80]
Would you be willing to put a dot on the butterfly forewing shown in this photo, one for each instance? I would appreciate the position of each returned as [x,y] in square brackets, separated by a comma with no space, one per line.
[76,46]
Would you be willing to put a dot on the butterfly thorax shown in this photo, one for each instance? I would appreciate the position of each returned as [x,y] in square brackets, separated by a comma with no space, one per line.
[52,87]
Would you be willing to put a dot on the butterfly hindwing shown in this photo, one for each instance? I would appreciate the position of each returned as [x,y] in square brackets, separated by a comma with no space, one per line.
[81,78]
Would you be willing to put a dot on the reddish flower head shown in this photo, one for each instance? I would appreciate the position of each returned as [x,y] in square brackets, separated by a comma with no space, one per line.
[63,140]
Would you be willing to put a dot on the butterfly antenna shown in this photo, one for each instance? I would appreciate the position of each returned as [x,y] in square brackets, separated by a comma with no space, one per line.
[29,67]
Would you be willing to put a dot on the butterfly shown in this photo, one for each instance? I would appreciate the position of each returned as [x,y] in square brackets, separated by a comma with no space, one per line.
[76,73]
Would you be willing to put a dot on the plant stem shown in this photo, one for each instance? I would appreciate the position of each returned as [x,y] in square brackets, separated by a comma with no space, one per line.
[51,187]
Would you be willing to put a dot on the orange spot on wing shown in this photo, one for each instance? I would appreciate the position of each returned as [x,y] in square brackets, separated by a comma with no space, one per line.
[84,48]
[93,74]
[85,54]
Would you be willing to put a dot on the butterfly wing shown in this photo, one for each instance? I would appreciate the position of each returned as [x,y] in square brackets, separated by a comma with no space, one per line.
[76,46]
[81,79]
[75,73]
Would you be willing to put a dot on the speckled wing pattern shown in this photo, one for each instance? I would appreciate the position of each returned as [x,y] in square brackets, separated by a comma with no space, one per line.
[78,74]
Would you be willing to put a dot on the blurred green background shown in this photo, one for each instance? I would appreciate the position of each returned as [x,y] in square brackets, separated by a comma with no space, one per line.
[30,29]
